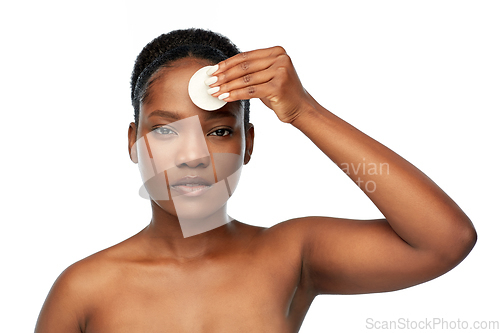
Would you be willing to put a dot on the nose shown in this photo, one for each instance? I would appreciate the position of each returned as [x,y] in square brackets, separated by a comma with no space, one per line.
[193,152]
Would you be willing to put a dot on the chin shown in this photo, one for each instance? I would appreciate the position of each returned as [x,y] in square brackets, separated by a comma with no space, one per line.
[202,205]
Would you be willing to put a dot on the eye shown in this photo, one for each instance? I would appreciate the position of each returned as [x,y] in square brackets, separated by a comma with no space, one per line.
[164,131]
[221,132]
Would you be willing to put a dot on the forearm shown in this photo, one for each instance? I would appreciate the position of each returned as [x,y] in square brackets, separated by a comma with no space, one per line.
[415,207]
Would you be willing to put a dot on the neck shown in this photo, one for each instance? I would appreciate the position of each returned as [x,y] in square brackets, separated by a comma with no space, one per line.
[185,237]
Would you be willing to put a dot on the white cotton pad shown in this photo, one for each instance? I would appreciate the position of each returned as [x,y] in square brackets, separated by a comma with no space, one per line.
[197,90]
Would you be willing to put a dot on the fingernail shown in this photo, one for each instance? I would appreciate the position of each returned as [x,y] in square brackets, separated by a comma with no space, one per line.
[212,69]
[224,95]
[213,90]
[211,80]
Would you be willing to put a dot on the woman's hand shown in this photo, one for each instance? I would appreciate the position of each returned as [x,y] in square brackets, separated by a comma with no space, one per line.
[267,74]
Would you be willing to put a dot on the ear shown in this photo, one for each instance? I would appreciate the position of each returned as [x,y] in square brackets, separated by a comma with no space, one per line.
[249,136]
[132,147]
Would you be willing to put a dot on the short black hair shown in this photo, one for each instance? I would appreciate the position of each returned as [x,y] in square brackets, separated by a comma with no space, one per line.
[175,45]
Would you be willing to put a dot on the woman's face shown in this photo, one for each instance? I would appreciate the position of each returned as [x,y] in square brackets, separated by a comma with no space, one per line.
[189,158]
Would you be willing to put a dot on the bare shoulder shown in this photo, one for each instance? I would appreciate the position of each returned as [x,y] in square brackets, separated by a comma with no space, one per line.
[75,290]
[87,276]
[288,245]
[289,235]
[284,234]
[284,241]
[297,230]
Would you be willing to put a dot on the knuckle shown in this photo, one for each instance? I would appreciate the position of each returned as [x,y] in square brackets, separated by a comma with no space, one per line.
[279,50]
[223,64]
[244,65]
[284,58]
[251,90]
[281,73]
[282,70]
[244,55]
[246,78]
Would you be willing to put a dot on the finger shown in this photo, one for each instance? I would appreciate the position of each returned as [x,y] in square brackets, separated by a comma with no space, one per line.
[248,56]
[245,81]
[254,91]
[242,69]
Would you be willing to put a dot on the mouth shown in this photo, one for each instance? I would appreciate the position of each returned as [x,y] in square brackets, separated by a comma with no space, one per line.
[191,186]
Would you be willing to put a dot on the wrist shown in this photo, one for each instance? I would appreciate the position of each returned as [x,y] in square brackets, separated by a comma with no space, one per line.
[307,113]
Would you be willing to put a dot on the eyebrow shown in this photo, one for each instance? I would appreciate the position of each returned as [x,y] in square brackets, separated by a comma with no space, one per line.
[165,114]
[176,116]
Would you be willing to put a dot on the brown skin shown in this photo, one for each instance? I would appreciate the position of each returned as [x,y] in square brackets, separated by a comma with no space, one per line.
[241,278]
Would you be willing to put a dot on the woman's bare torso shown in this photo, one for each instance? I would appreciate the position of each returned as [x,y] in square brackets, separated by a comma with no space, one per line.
[253,285]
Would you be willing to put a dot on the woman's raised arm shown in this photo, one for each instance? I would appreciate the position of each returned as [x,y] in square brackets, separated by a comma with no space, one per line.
[424,233]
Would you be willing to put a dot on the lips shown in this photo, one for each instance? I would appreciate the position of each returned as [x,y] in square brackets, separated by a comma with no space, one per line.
[191,185]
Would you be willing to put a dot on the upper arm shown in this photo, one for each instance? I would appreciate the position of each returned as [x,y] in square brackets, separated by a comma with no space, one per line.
[342,256]
[63,309]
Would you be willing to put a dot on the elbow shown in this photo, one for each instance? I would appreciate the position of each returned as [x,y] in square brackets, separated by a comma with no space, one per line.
[472,238]
[467,240]
[461,242]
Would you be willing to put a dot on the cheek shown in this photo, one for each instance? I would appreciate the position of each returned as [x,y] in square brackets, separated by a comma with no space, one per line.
[226,164]
[228,168]
[227,156]
[155,183]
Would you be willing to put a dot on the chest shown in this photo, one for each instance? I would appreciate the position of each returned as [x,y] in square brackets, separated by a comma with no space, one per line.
[247,294]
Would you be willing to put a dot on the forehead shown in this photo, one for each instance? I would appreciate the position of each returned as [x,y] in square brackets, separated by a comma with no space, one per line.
[168,91]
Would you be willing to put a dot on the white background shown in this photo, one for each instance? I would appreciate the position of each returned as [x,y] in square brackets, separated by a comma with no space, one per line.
[422,77]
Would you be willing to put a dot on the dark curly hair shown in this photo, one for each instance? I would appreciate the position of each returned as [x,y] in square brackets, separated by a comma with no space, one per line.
[175,45]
